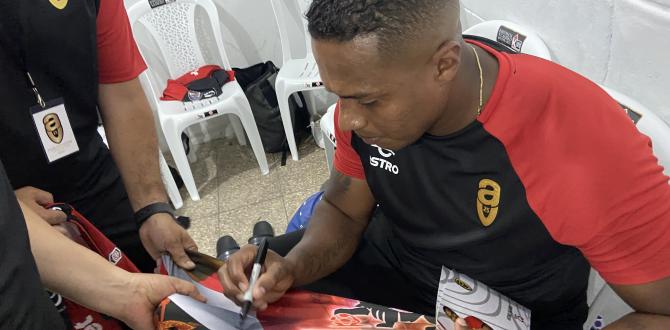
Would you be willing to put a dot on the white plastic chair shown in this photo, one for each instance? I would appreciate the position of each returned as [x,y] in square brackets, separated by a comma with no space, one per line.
[649,124]
[296,74]
[532,45]
[173,28]
[327,123]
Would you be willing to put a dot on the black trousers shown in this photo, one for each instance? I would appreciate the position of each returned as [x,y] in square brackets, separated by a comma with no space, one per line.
[380,273]
[111,213]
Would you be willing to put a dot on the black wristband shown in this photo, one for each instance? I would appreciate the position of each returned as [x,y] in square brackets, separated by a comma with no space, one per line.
[144,213]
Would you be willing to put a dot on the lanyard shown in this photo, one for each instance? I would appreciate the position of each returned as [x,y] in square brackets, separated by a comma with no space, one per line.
[20,60]
[32,85]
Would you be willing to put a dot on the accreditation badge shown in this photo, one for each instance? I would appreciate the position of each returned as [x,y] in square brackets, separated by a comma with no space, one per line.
[54,129]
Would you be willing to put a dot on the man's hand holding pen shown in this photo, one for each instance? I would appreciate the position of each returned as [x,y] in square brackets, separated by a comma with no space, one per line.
[276,277]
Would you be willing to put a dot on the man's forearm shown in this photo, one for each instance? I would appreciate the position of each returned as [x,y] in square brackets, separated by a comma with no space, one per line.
[329,241]
[131,133]
[640,321]
[72,270]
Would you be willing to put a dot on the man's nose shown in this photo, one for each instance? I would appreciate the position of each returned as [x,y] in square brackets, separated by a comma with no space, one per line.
[350,117]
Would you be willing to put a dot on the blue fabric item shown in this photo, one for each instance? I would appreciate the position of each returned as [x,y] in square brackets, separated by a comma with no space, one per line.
[301,217]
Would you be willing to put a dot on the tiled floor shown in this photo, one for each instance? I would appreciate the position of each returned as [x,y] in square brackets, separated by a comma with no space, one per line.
[234,194]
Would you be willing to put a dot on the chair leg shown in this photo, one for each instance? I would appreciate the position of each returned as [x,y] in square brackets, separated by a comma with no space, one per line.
[330,151]
[168,181]
[285,112]
[173,139]
[247,119]
[237,128]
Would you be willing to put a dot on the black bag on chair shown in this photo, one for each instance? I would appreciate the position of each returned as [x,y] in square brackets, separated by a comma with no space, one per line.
[257,81]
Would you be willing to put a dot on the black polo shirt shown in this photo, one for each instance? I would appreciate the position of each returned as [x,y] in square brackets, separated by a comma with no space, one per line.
[69,47]
[58,47]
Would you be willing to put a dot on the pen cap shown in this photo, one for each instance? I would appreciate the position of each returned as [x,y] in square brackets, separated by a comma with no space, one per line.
[262,229]
[262,251]
[225,247]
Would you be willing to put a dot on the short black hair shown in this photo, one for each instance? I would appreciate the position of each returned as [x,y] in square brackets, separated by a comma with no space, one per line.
[389,20]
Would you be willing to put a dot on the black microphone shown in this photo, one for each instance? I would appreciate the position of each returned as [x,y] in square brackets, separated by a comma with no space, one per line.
[225,247]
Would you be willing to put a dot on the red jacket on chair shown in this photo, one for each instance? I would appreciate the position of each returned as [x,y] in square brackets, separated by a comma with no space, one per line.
[201,83]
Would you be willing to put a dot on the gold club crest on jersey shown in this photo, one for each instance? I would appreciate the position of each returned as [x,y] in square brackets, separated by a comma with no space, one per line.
[59,4]
[488,199]
[53,127]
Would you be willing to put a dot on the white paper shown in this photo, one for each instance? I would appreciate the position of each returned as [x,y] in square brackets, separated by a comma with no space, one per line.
[218,313]
[470,298]
[213,317]
[214,298]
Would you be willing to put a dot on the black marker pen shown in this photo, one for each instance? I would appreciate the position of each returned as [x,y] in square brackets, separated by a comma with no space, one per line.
[255,273]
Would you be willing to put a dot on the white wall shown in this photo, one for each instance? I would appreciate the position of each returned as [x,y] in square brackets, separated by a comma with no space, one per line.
[250,32]
[622,44]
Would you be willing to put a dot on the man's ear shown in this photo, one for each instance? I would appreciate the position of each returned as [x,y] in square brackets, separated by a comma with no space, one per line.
[446,60]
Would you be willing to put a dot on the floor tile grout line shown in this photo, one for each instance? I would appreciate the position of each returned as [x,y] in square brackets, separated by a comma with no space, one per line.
[252,204]
[275,193]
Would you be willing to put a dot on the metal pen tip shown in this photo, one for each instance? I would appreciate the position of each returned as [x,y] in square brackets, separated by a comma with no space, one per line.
[245,311]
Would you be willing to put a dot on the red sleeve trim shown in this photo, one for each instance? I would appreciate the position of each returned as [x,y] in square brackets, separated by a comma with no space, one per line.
[346,160]
[119,60]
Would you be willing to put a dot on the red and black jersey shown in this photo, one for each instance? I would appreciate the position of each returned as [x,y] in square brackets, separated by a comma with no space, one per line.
[551,172]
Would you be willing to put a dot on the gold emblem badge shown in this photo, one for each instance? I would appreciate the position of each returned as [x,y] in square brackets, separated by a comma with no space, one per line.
[488,198]
[60,4]
[53,127]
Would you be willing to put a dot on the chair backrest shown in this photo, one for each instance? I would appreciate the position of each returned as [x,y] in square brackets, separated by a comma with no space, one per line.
[282,11]
[517,38]
[177,33]
[649,124]
[176,39]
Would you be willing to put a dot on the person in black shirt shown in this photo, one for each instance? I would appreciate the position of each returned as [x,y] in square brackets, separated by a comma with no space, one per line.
[83,62]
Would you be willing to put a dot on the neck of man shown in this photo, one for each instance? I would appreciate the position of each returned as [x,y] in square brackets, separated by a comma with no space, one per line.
[463,100]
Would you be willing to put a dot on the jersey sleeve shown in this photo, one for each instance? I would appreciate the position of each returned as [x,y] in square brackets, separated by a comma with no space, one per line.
[628,241]
[346,159]
[119,60]
[589,174]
